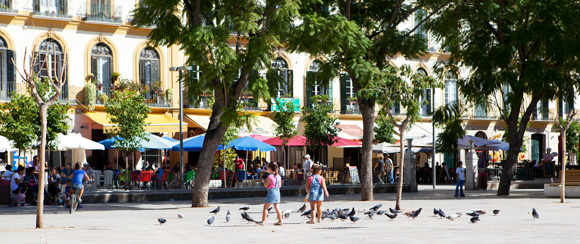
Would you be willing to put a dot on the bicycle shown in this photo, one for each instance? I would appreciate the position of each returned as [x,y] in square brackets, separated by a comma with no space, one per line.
[74,202]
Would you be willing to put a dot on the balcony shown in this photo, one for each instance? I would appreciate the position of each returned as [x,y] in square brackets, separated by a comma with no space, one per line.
[250,104]
[54,8]
[205,102]
[6,90]
[349,106]
[102,13]
[155,98]
[8,6]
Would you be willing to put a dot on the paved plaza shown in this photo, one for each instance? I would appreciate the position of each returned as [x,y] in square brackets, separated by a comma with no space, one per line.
[137,222]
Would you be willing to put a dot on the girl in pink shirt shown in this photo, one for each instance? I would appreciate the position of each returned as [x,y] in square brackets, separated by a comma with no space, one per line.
[316,187]
[272,183]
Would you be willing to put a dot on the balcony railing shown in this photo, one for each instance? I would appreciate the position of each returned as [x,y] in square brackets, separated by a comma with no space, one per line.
[8,6]
[250,104]
[156,98]
[102,13]
[349,107]
[6,89]
[54,8]
[103,90]
[204,103]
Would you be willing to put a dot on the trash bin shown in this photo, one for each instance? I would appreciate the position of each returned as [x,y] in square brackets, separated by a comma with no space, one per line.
[482,180]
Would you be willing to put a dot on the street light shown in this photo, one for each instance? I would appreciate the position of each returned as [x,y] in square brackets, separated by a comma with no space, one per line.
[180,69]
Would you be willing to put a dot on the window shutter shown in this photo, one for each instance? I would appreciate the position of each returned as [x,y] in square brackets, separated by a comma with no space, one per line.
[142,72]
[330,86]
[37,66]
[94,68]
[343,97]
[428,99]
[309,86]
[290,83]
[545,109]
[10,74]
[155,71]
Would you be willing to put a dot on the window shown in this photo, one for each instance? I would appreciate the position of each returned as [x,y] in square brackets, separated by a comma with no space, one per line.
[314,88]
[6,71]
[102,10]
[450,88]
[149,67]
[542,110]
[426,98]
[101,66]
[565,107]
[285,88]
[421,31]
[348,102]
[506,90]
[51,7]
[480,110]
[50,60]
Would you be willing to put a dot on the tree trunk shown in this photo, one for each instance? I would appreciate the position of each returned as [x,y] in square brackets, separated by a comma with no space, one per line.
[127,176]
[401,167]
[213,136]
[510,163]
[367,109]
[563,165]
[42,157]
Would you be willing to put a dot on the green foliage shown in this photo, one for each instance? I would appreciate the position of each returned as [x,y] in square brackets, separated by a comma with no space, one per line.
[90,95]
[20,122]
[319,127]
[127,110]
[448,117]
[572,136]
[104,98]
[384,130]
[230,154]
[284,119]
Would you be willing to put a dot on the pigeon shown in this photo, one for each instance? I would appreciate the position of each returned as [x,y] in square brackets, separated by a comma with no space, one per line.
[479,211]
[303,208]
[381,212]
[286,213]
[352,213]
[180,215]
[452,217]
[332,217]
[441,213]
[473,214]
[342,217]
[414,214]
[324,216]
[210,220]
[391,216]
[435,212]
[474,219]
[354,219]
[215,211]
[270,208]
[370,214]
[376,208]
[307,213]
[244,208]
[495,211]
[395,211]
[161,221]
[228,216]
[247,217]
[535,214]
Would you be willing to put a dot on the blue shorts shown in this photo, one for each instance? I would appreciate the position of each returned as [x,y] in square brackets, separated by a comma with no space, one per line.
[77,186]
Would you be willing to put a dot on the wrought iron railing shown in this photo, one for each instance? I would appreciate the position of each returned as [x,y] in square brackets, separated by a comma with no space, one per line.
[103,13]
[55,8]
[8,6]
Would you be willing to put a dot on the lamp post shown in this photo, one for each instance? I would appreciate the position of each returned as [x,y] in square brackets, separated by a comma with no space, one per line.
[180,69]
[433,168]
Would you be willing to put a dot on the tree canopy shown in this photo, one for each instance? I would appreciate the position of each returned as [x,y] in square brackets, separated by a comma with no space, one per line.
[319,128]
[127,111]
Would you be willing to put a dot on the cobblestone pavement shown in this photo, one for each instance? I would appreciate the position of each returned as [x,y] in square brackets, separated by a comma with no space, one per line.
[137,222]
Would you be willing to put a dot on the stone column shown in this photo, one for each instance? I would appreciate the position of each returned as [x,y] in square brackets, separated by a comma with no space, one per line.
[470,169]
[410,172]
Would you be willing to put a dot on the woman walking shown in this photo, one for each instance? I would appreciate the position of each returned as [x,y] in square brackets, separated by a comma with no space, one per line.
[316,187]
[272,183]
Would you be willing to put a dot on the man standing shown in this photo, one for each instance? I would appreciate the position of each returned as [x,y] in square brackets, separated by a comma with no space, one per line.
[380,169]
[239,163]
[389,168]
[460,171]
[89,171]
[307,165]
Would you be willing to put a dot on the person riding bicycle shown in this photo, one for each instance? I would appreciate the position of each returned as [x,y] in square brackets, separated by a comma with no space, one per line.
[77,180]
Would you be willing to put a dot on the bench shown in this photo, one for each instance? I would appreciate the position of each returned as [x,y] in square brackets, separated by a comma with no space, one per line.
[572,178]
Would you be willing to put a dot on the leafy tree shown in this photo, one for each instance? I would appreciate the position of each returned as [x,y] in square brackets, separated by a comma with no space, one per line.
[518,51]
[127,111]
[17,120]
[407,88]
[285,129]
[385,130]
[319,128]
[228,41]
[360,38]
[572,137]
[448,117]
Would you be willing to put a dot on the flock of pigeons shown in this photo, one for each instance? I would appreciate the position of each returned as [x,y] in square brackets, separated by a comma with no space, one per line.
[349,214]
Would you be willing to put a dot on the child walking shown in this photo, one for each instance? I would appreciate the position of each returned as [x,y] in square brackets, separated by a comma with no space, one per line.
[460,171]
[316,187]
[272,183]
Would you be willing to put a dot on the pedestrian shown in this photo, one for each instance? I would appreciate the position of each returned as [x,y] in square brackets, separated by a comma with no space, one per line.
[272,183]
[460,171]
[307,165]
[380,168]
[389,170]
[316,188]
[239,163]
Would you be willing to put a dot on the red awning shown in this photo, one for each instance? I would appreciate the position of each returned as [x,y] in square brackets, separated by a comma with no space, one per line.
[297,141]
[352,130]
[345,143]
[259,137]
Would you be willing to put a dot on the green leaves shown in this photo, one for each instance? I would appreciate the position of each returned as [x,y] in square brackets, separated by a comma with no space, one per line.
[384,130]
[127,110]
[319,127]
[284,119]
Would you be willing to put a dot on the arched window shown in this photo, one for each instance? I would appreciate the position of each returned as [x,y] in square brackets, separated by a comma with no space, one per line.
[149,68]
[6,71]
[421,30]
[450,87]
[426,98]
[102,66]
[284,89]
[50,61]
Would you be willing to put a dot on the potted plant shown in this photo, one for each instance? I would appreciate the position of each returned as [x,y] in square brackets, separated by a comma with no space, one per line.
[90,76]
[90,95]
[103,98]
[115,76]
[351,99]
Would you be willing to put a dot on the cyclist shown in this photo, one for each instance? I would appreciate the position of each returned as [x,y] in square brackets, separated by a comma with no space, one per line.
[77,180]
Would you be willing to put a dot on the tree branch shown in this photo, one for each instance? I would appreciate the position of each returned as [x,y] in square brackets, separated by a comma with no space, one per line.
[395,12]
